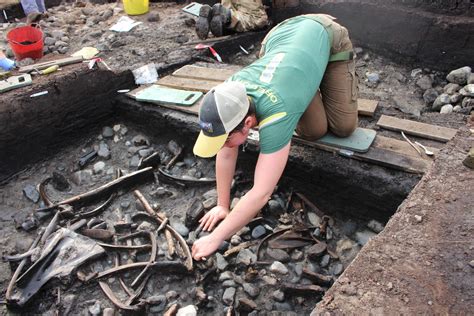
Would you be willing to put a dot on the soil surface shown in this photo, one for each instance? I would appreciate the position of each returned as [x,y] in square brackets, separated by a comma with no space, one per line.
[420,263]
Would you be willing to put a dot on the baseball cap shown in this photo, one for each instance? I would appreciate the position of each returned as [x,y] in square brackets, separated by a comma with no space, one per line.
[222,109]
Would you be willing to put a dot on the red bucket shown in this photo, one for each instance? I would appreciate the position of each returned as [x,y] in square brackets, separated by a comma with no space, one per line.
[26,41]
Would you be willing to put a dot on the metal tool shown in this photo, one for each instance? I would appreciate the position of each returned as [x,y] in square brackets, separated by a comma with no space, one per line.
[412,145]
[427,151]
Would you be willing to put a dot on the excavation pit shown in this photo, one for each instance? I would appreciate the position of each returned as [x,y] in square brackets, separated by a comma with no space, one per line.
[325,209]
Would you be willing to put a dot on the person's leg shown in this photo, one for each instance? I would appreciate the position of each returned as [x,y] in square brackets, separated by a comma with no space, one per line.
[339,92]
[40,5]
[29,6]
[313,123]
[202,24]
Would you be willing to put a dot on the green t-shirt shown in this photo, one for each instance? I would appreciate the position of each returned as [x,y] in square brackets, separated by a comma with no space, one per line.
[284,81]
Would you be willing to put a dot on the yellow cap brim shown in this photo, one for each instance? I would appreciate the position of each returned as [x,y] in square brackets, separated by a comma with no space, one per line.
[207,147]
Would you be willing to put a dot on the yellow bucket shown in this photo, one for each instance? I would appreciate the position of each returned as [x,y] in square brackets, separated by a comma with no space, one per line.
[135,7]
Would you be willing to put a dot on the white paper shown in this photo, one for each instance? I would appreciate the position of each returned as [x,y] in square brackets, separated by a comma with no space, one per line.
[124,24]
[146,74]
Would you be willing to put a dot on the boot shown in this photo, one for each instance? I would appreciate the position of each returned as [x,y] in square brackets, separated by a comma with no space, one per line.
[202,24]
[33,18]
[220,19]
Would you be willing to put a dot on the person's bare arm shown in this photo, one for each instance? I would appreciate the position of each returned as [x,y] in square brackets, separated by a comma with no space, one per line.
[267,173]
[225,168]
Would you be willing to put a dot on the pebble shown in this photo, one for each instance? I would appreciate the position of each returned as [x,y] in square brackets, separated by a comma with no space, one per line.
[125,205]
[31,193]
[210,202]
[297,255]
[278,267]
[153,17]
[418,218]
[146,227]
[226,275]
[269,280]
[134,162]
[446,109]
[171,295]
[228,296]
[457,108]
[337,268]
[424,82]
[314,219]
[459,75]
[316,251]
[375,226]
[180,228]
[95,309]
[283,306]
[209,194]
[416,72]
[467,91]
[278,254]
[278,295]
[430,95]
[221,262]
[103,151]
[107,132]
[455,98]
[189,310]
[98,167]
[451,88]
[325,261]
[48,41]
[258,232]
[145,152]
[81,177]
[471,263]
[441,100]
[470,79]
[299,269]
[364,236]
[274,206]
[246,257]
[251,290]
[140,140]
[349,227]
[235,240]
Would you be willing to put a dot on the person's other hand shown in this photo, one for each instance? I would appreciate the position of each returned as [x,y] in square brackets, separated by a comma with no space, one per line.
[214,216]
[205,246]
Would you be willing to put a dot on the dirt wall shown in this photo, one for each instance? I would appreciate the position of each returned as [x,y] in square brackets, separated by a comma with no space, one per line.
[420,32]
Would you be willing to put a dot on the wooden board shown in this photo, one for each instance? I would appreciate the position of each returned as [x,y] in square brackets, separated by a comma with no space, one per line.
[367,107]
[188,83]
[204,73]
[380,156]
[44,65]
[429,131]
[401,147]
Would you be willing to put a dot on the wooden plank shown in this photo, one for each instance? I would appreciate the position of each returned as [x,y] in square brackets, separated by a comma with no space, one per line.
[59,62]
[429,131]
[367,107]
[187,83]
[381,157]
[400,146]
[204,73]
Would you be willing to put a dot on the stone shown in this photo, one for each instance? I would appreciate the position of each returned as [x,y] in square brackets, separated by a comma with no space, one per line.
[246,257]
[153,17]
[108,312]
[63,49]
[366,57]
[278,254]
[104,151]
[363,237]
[424,82]
[416,72]
[314,219]
[48,41]
[375,226]
[467,91]
[145,227]
[258,232]
[451,88]
[457,108]
[57,34]
[466,102]
[446,109]
[209,194]
[399,77]
[251,290]
[408,105]
[221,263]
[418,218]
[81,177]
[156,300]
[349,227]
[210,202]
[283,307]
[316,251]
[180,228]
[274,206]
[229,283]
[226,275]
[145,152]
[247,306]
[171,295]
[134,162]
[337,268]
[189,310]
[107,132]
[140,140]
[459,75]
[441,100]
[107,14]
[98,167]
[228,296]
[95,309]
[278,267]
[470,79]
[455,98]
[325,261]
[469,160]
[87,11]
[471,263]
[278,295]
[60,43]
[124,205]
[372,77]
[31,193]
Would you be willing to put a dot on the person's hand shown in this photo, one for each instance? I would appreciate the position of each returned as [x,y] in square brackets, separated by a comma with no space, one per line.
[214,216]
[205,246]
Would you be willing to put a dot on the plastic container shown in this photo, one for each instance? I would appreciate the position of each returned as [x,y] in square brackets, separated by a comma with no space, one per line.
[26,42]
[135,7]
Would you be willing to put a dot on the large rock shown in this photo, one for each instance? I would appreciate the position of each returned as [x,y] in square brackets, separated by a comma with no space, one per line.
[459,76]
[441,100]
[425,82]
[430,95]
[408,105]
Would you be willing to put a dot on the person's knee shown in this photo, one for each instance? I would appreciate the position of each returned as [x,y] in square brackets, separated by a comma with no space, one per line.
[344,130]
[312,134]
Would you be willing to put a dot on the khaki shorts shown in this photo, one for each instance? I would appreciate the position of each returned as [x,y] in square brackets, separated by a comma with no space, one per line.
[334,106]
